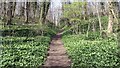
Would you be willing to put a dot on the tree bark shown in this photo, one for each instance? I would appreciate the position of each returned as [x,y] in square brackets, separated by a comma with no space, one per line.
[110,22]
[45,10]
[85,11]
[13,9]
[9,13]
[99,19]
[27,12]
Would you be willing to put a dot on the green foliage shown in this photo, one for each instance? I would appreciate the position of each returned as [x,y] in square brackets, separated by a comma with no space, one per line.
[92,36]
[23,47]
[27,30]
[19,54]
[104,21]
[91,53]
[73,11]
[49,30]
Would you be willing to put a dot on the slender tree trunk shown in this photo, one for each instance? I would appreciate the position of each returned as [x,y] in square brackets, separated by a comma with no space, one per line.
[110,22]
[119,13]
[93,25]
[27,12]
[4,12]
[35,9]
[13,9]
[41,13]
[9,13]
[88,30]
[85,11]
[99,19]
[45,10]
[118,36]
[1,8]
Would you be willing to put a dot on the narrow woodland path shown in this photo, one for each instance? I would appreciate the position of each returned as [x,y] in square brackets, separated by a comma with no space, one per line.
[57,57]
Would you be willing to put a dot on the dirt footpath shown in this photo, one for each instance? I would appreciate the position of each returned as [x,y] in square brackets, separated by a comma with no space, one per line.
[57,57]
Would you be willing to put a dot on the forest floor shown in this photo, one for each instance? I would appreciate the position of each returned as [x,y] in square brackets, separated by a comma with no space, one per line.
[57,56]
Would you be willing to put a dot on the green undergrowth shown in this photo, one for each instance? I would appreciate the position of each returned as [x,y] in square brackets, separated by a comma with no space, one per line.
[24,30]
[95,53]
[24,46]
[17,53]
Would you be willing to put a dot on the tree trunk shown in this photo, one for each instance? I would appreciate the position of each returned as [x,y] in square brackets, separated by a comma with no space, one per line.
[119,10]
[13,9]
[27,12]
[9,13]
[88,29]
[45,10]
[41,12]
[85,11]
[93,27]
[110,22]
[35,9]
[99,19]
[118,37]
